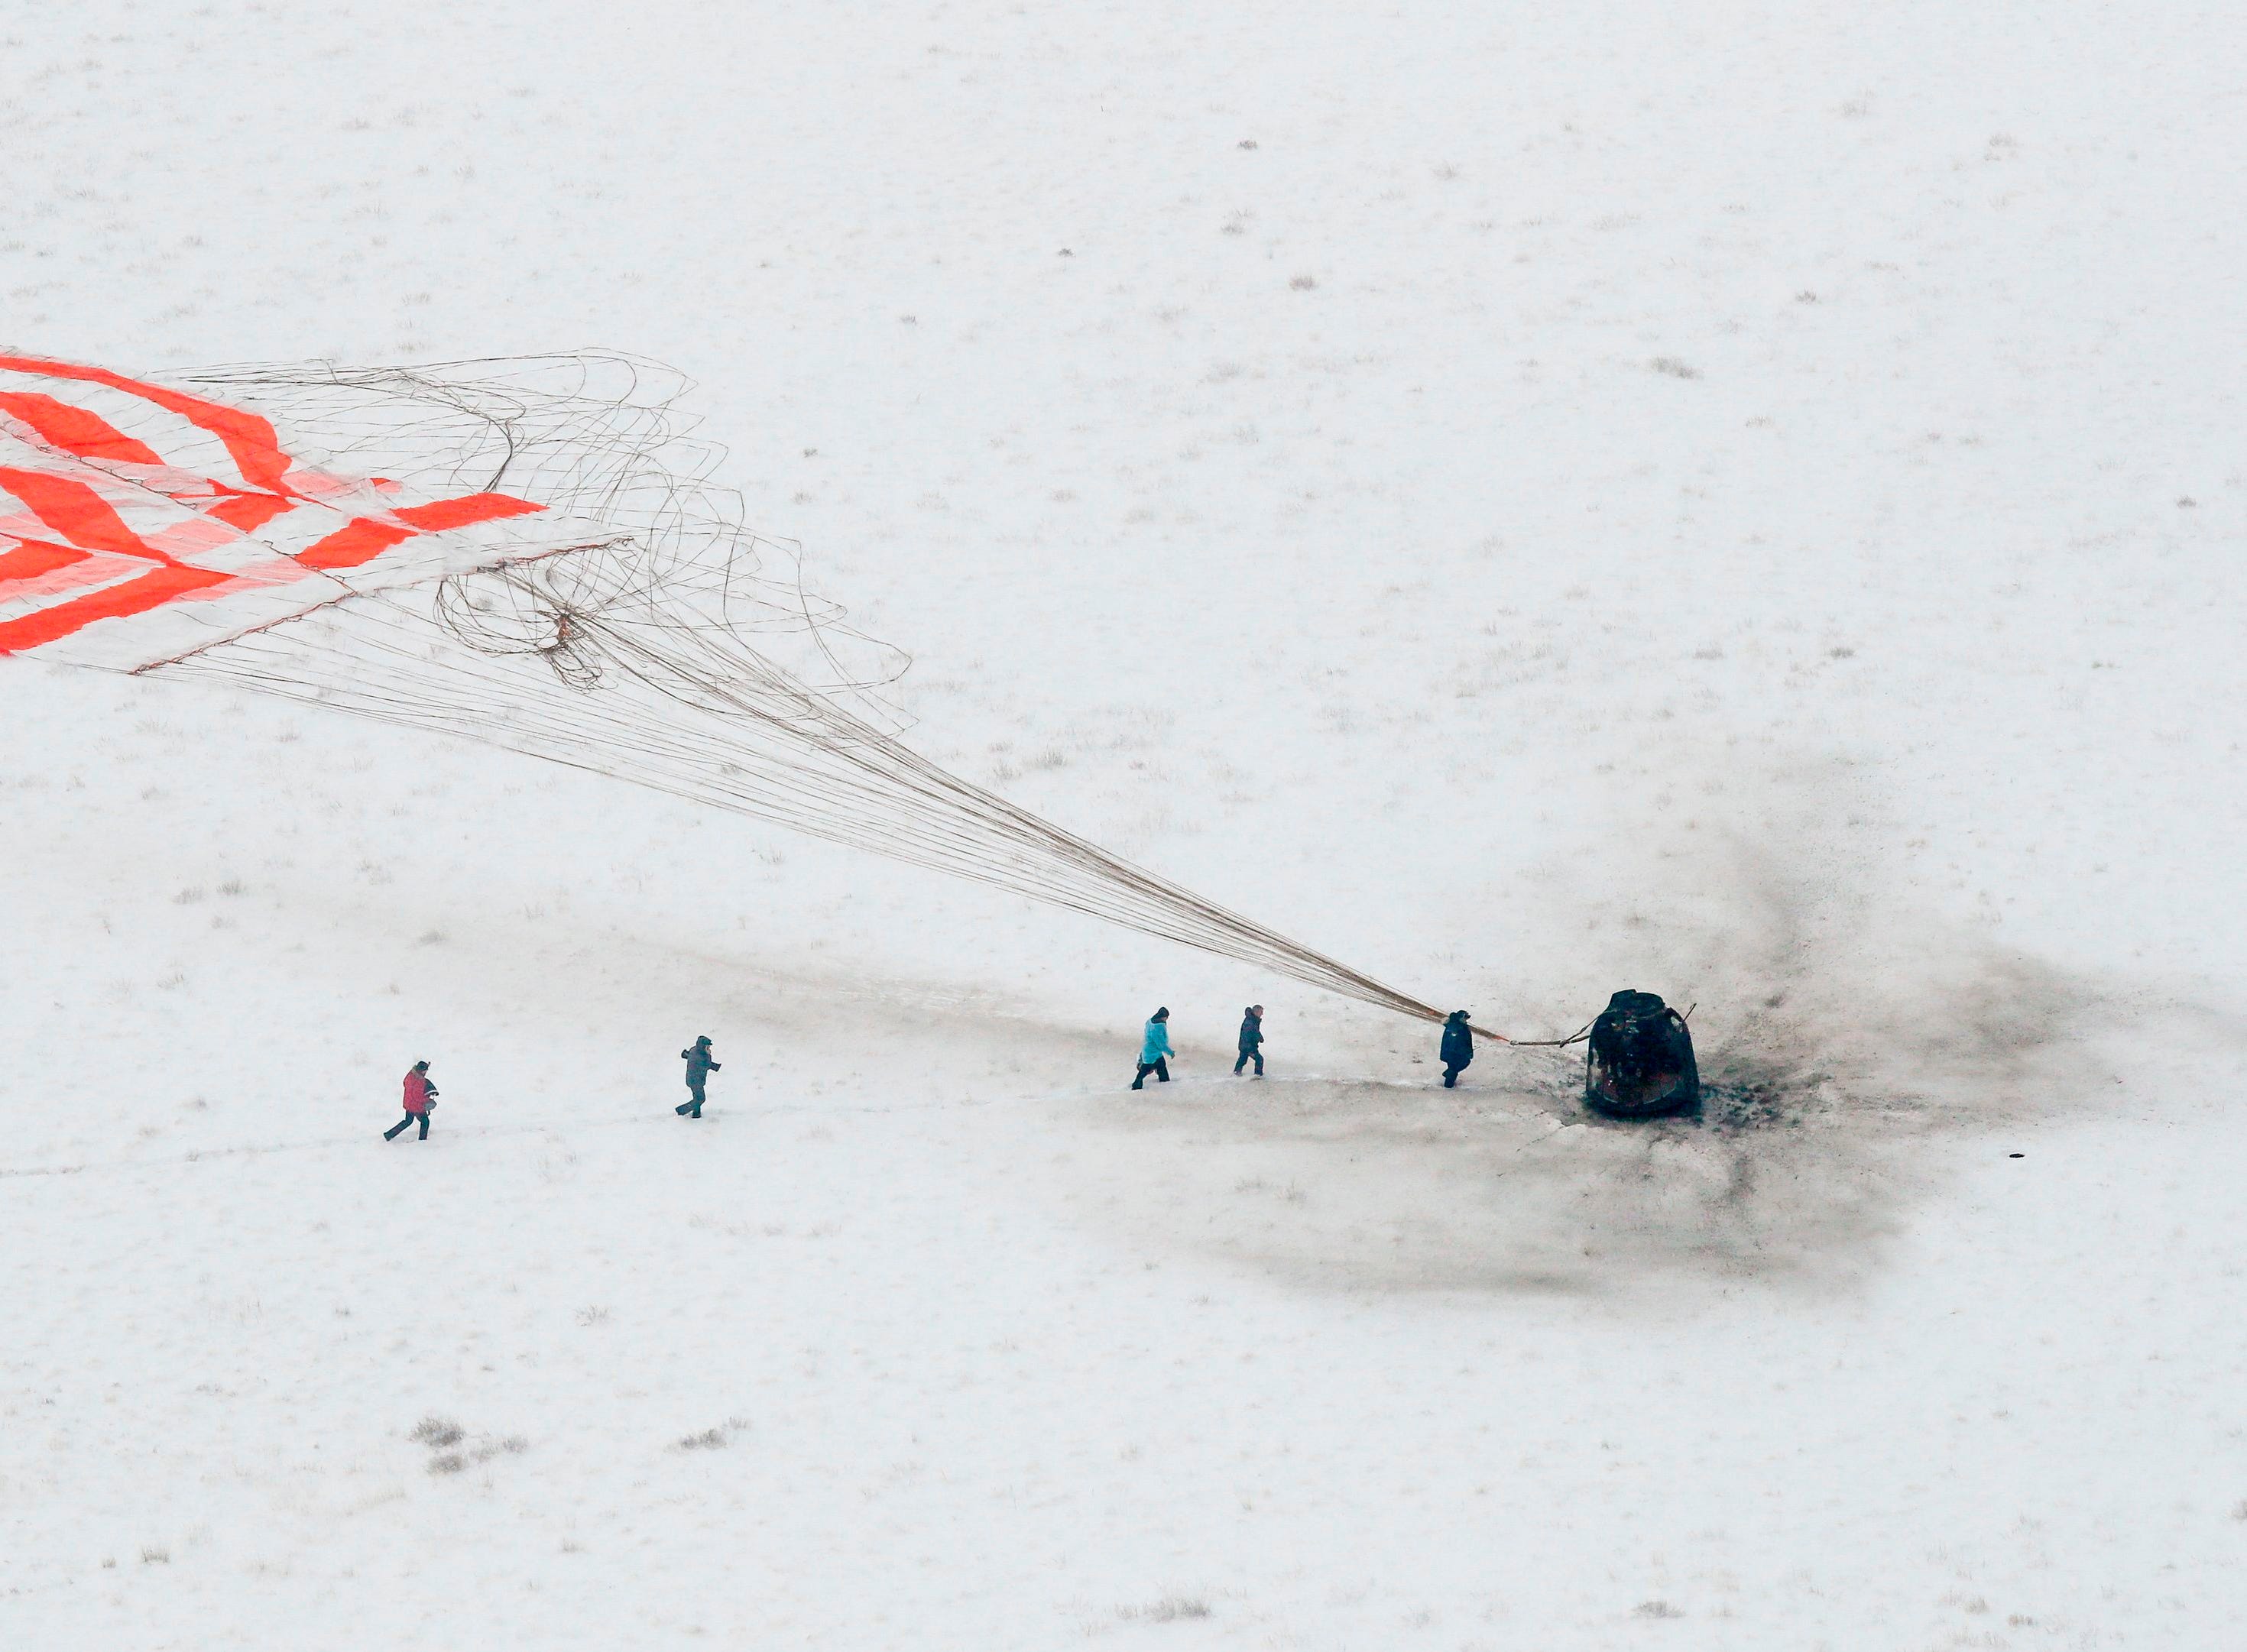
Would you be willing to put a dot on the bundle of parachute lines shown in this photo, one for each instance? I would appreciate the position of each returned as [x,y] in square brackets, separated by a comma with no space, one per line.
[527,553]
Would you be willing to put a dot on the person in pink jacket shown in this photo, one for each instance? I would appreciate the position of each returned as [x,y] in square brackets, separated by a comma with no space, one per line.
[420,1096]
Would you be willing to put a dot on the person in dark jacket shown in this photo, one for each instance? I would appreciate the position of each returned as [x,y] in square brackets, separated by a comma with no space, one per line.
[1252,1040]
[1155,1049]
[420,1096]
[1459,1047]
[699,1068]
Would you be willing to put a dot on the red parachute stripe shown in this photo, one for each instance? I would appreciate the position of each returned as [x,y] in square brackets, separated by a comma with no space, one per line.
[362,539]
[247,513]
[459,513]
[359,541]
[76,512]
[35,557]
[74,430]
[257,450]
[151,589]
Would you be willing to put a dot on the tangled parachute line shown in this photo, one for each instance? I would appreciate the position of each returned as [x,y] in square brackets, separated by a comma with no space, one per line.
[674,647]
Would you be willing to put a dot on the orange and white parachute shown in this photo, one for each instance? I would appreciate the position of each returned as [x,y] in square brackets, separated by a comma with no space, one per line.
[139,524]
[529,554]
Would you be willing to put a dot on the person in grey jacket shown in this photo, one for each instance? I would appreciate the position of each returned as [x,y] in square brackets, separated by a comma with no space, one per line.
[1252,1040]
[699,1068]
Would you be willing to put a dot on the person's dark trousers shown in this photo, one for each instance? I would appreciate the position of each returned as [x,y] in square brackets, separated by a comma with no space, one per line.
[694,1106]
[1159,1068]
[1246,1056]
[391,1135]
[1452,1071]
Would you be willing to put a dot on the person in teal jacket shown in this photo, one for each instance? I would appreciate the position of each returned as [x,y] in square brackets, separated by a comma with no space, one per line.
[1155,1050]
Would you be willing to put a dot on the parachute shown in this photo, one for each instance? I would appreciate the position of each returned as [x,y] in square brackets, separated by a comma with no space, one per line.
[526,553]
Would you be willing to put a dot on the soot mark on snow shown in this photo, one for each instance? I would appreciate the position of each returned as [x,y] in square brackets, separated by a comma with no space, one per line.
[1851,1045]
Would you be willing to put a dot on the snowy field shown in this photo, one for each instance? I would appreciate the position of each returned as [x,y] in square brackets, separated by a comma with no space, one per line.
[1745,502]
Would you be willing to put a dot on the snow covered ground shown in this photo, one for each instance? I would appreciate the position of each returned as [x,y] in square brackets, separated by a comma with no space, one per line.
[1745,503]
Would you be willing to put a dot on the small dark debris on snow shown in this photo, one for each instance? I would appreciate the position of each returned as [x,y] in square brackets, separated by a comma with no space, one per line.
[1247,143]
[1656,1609]
[1674,367]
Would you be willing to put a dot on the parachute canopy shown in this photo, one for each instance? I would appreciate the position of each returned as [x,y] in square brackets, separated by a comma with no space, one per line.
[529,554]
[139,524]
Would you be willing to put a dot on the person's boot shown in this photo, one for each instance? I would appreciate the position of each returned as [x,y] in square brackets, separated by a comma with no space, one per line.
[391,1135]
[681,1109]
[695,1112]
[424,1135]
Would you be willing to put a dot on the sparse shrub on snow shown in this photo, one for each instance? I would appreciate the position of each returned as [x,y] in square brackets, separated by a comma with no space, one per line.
[1169,1609]
[1674,368]
[155,1557]
[436,1432]
[440,1434]
[711,1439]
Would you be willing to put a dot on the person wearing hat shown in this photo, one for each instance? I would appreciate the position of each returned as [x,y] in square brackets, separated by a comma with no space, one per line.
[699,1068]
[1252,1040]
[420,1096]
[1155,1050]
[1458,1048]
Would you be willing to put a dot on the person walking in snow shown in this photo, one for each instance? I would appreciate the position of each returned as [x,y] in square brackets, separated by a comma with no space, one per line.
[1459,1047]
[699,1068]
[1155,1050]
[420,1096]
[1252,1040]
